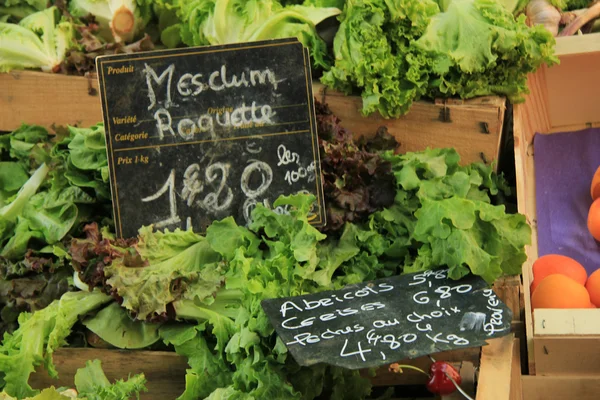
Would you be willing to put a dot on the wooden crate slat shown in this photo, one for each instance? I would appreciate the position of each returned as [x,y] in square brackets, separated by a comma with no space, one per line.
[44,99]
[579,322]
[495,371]
[560,387]
[567,355]
[473,127]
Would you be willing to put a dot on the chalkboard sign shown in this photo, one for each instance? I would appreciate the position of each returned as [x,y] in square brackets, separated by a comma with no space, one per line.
[199,134]
[388,320]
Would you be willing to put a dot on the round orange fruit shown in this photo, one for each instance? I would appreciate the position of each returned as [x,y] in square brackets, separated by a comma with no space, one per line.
[593,287]
[593,222]
[559,291]
[595,188]
[557,264]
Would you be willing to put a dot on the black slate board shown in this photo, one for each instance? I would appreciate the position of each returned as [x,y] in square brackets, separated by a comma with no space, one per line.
[186,156]
[384,321]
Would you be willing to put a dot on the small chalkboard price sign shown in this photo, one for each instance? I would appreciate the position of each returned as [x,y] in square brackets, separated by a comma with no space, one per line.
[199,134]
[384,321]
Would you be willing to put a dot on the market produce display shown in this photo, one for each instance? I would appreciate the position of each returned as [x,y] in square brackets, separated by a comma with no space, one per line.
[200,295]
[392,53]
[66,280]
[560,281]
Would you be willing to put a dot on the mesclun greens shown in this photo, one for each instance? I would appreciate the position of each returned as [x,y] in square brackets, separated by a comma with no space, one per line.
[15,10]
[38,335]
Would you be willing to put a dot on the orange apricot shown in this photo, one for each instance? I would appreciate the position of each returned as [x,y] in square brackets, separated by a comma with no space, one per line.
[595,188]
[593,222]
[593,287]
[559,291]
[557,264]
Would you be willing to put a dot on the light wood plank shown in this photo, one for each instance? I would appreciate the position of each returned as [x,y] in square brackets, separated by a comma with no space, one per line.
[573,88]
[424,125]
[516,390]
[567,355]
[577,44]
[560,387]
[495,370]
[553,322]
[529,118]
[473,127]
[45,99]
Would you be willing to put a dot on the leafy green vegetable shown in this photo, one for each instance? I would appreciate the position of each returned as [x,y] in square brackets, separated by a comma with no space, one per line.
[442,216]
[213,22]
[19,9]
[397,52]
[217,282]
[193,273]
[39,41]
[484,51]
[356,180]
[68,186]
[113,325]
[39,334]
[29,285]
[46,394]
[92,384]
[119,20]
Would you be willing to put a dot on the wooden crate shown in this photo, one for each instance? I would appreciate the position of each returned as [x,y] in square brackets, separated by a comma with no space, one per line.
[488,373]
[560,342]
[492,370]
[473,127]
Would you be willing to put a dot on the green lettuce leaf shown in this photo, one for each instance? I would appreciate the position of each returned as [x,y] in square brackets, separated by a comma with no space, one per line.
[38,335]
[213,22]
[114,325]
[92,384]
[38,41]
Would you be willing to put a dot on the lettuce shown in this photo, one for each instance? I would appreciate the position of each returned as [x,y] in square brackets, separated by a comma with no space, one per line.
[92,384]
[119,20]
[39,334]
[39,41]
[484,51]
[68,185]
[399,51]
[214,22]
[19,9]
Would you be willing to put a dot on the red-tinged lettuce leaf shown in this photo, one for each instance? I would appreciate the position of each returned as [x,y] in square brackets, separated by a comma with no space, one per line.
[29,285]
[83,61]
[356,180]
[91,255]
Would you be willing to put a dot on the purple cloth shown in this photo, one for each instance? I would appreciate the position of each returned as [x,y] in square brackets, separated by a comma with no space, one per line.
[564,166]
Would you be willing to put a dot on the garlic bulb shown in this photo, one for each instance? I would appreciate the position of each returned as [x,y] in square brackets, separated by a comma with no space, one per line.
[540,12]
